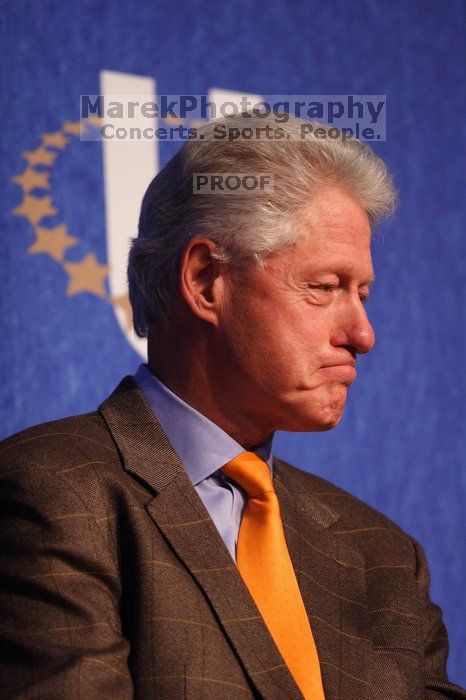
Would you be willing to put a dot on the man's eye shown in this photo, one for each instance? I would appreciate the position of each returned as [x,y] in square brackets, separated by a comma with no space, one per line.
[323,287]
[364,299]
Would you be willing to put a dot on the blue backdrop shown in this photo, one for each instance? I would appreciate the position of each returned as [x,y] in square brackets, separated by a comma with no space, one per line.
[400,445]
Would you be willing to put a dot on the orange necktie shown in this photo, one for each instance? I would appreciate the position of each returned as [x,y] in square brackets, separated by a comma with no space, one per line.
[265,565]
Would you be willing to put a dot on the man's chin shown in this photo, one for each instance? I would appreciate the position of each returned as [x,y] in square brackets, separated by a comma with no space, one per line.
[316,422]
[316,413]
[325,418]
[330,422]
[333,414]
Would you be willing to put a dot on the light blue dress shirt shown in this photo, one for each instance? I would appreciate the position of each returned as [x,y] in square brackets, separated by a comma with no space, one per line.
[203,448]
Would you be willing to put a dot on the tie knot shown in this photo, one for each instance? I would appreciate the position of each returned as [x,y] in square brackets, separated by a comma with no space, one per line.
[251,473]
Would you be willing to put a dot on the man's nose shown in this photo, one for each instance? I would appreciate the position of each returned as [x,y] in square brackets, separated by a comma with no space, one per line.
[355,329]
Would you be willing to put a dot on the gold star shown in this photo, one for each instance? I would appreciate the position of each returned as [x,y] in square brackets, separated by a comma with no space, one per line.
[31,179]
[40,156]
[73,128]
[53,241]
[35,208]
[123,303]
[86,276]
[55,140]
[94,121]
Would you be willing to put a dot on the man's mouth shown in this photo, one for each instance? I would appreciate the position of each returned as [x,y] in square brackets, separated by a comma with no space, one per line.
[344,372]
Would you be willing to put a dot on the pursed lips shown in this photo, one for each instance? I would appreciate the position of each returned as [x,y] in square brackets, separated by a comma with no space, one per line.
[344,370]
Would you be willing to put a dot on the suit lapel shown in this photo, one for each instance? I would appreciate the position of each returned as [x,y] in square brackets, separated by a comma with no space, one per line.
[182,518]
[331,578]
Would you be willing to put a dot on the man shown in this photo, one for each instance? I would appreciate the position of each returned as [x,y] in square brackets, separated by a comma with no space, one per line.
[156,548]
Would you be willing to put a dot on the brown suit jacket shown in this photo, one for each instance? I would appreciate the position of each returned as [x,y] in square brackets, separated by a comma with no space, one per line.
[115,582]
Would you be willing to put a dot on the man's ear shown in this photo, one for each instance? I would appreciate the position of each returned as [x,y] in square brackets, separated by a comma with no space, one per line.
[202,278]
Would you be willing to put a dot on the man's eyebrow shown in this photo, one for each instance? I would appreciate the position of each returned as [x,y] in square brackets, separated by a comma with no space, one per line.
[345,270]
[365,283]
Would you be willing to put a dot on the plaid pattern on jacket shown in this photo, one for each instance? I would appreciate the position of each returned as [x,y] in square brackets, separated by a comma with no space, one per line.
[115,582]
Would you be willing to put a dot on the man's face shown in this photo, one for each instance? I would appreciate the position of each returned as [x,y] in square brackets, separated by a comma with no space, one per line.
[290,332]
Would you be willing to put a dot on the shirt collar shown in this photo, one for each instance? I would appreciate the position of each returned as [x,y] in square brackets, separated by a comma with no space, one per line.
[201,444]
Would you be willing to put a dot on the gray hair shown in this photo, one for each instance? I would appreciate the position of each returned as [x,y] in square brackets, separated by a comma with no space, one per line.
[245,226]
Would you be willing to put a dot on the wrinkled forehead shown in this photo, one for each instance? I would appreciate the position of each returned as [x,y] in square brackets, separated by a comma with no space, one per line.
[332,212]
[342,252]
